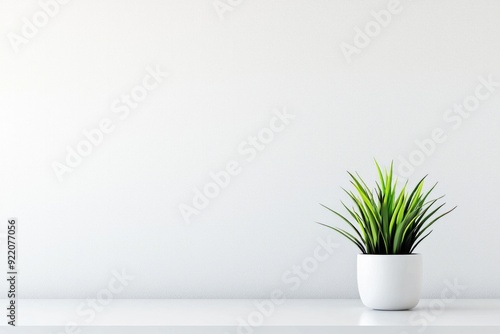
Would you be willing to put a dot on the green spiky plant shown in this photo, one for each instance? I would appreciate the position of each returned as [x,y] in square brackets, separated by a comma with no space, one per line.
[388,221]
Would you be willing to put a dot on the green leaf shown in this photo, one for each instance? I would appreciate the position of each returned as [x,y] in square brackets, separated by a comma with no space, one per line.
[418,242]
[345,219]
[348,236]
[387,220]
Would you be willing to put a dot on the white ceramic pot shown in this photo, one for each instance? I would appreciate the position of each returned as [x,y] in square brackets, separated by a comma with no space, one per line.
[390,282]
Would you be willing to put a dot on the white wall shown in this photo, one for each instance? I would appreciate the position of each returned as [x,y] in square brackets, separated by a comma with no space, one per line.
[119,208]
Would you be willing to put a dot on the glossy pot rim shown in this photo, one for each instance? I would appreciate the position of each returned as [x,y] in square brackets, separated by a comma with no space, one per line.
[391,255]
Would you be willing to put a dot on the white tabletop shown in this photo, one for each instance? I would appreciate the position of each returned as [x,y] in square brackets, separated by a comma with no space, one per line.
[245,316]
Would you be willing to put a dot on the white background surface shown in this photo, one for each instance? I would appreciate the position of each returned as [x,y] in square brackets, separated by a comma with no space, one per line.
[119,209]
[238,313]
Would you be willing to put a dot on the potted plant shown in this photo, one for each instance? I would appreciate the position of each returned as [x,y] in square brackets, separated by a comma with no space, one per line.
[388,224]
